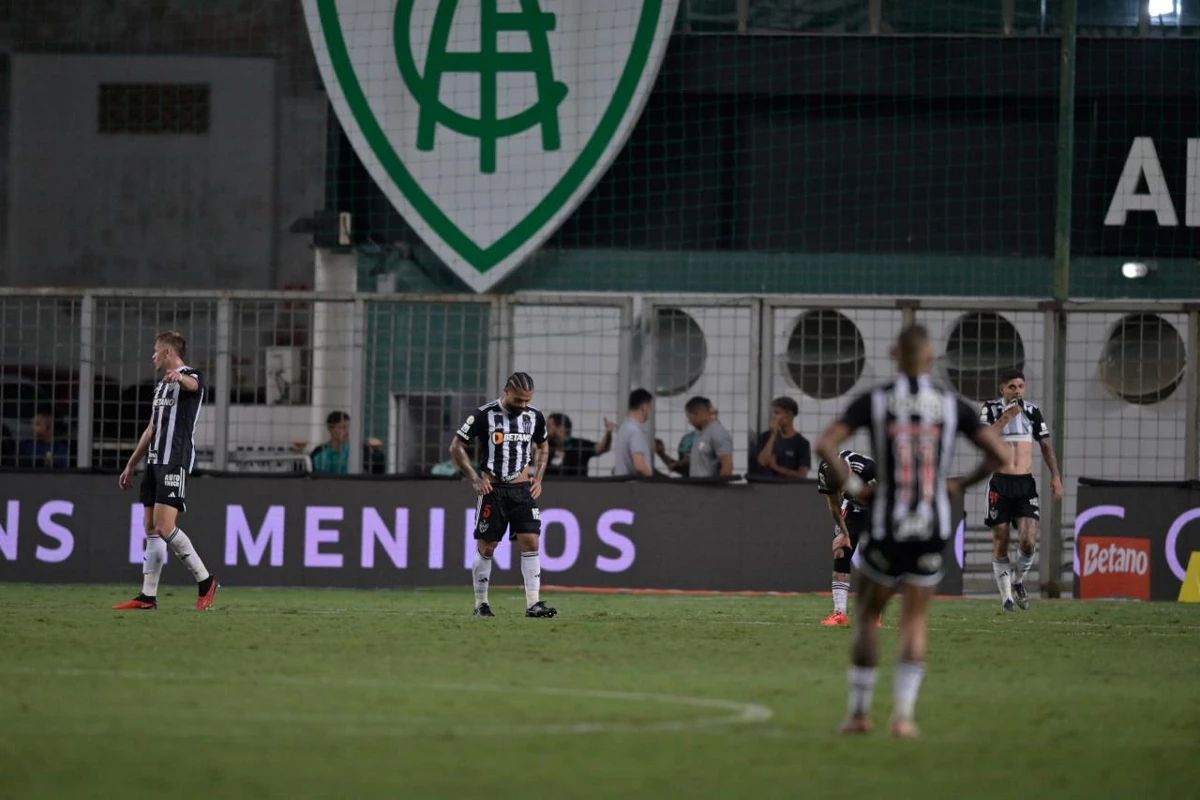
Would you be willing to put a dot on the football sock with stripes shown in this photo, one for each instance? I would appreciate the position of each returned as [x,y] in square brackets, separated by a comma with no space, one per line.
[907,685]
[862,690]
[841,590]
[1002,570]
[153,558]
[1024,564]
[181,546]
[481,572]
[531,571]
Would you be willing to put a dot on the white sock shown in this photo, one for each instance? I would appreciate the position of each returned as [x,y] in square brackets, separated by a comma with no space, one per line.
[1024,564]
[862,690]
[153,558]
[531,571]
[181,546]
[907,684]
[1002,569]
[841,591]
[482,573]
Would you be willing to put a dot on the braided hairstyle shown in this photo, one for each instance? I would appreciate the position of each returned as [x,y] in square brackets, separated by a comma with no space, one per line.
[520,381]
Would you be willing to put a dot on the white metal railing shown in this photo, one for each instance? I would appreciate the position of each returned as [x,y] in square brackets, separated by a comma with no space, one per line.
[404,366]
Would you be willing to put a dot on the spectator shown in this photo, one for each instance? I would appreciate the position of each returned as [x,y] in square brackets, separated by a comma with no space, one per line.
[782,450]
[632,448]
[569,456]
[43,451]
[685,446]
[333,457]
[686,441]
[712,453]
[8,448]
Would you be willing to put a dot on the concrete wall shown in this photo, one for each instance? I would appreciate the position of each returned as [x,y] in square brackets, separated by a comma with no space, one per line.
[88,208]
[268,30]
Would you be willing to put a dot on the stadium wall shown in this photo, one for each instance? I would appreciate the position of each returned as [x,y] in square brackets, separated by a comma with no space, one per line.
[294,111]
[867,166]
[831,164]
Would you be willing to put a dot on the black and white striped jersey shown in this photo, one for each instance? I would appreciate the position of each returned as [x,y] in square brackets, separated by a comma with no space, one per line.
[510,438]
[913,424]
[862,466]
[1028,426]
[174,416]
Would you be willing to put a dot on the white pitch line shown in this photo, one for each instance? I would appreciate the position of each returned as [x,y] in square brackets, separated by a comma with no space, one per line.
[736,712]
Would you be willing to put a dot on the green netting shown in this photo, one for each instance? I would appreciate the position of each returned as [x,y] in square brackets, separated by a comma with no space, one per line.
[922,160]
[787,146]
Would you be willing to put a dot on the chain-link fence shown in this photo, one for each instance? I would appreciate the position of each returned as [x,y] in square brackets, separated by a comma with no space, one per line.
[406,369]
[290,375]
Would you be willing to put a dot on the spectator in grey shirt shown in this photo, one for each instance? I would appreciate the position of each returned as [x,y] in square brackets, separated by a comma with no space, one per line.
[631,445]
[712,452]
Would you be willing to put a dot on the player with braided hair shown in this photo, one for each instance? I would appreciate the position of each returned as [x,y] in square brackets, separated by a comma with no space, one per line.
[514,433]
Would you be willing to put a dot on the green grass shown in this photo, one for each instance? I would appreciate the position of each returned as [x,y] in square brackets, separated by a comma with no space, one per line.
[330,693]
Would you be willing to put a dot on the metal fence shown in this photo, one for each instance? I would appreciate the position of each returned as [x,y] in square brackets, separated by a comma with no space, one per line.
[407,369]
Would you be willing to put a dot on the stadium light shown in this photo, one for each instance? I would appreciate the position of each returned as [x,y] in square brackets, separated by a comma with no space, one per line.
[1135,269]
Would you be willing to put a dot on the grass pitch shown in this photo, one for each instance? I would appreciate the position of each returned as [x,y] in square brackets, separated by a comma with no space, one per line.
[345,694]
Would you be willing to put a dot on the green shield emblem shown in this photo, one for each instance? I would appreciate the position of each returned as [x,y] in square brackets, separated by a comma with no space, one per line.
[486,122]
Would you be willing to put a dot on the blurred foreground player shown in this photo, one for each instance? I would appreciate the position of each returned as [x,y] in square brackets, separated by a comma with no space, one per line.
[913,422]
[514,464]
[170,455]
[851,519]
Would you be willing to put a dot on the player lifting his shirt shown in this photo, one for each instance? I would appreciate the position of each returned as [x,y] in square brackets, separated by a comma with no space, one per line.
[851,520]
[1012,492]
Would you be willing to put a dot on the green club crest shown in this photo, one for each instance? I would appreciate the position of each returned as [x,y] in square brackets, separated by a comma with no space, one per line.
[486,122]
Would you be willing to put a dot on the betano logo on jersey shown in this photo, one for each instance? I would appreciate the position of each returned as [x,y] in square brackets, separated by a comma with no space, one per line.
[486,122]
[500,437]
[1115,566]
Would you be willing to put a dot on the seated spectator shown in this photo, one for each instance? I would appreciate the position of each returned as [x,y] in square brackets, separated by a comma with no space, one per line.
[333,457]
[444,469]
[569,456]
[782,450]
[8,448]
[43,451]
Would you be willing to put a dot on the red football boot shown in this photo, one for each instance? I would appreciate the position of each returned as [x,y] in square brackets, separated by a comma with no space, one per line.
[205,601]
[139,603]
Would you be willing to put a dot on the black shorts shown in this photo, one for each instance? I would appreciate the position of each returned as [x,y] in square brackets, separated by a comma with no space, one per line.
[164,486]
[1011,497]
[858,524]
[509,506]
[916,562]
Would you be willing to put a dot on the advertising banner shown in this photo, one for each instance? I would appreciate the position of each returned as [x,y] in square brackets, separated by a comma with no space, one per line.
[1134,539]
[284,531]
